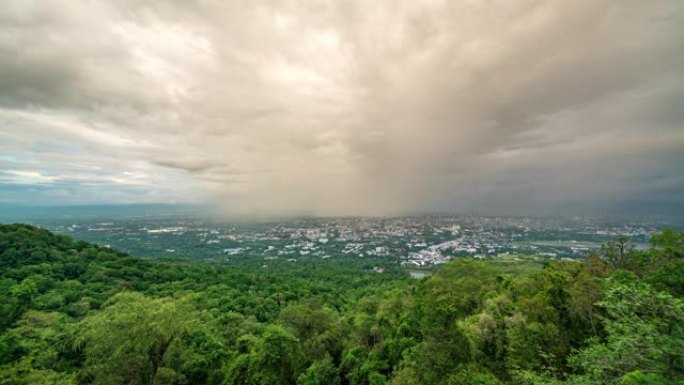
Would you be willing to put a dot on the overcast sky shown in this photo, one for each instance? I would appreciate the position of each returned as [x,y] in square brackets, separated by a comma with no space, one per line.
[344,107]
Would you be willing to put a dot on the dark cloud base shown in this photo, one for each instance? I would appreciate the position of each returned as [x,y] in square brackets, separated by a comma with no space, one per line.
[346,107]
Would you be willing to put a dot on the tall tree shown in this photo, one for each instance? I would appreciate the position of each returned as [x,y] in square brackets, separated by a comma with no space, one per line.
[128,340]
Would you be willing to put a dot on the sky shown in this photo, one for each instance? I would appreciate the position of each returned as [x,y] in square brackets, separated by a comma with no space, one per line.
[350,107]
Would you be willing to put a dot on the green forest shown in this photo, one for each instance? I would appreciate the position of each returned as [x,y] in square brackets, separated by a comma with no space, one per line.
[72,312]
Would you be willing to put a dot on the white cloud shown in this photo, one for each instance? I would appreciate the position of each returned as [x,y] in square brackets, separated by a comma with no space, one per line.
[26,177]
[346,107]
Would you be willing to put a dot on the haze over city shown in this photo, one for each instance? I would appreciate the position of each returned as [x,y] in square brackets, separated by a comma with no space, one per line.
[342,192]
[345,107]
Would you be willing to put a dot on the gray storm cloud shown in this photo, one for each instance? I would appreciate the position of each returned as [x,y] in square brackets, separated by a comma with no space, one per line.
[345,107]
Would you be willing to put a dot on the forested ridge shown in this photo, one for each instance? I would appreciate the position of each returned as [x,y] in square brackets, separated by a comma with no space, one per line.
[76,313]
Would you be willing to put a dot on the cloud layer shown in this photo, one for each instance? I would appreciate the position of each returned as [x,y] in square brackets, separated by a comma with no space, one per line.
[344,107]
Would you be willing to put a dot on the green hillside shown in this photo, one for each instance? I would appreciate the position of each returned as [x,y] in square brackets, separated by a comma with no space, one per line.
[76,313]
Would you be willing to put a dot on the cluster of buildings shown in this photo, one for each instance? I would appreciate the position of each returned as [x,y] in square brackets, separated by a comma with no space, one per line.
[415,241]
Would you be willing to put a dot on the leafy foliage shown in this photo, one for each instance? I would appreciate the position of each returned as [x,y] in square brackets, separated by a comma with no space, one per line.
[75,313]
